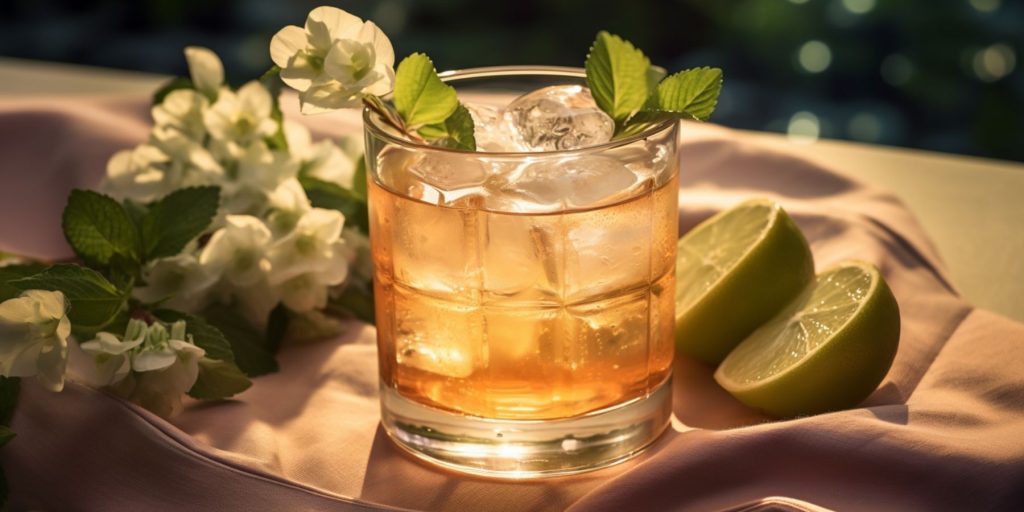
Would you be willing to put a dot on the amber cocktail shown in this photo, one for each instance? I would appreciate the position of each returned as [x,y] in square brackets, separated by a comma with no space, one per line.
[525,299]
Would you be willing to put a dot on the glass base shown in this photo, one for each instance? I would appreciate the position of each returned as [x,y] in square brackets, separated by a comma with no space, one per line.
[526,449]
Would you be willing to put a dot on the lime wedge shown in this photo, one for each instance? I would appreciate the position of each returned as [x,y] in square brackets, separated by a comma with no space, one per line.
[733,272]
[826,350]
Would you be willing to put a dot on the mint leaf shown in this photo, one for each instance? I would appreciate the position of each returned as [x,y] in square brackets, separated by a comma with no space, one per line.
[94,302]
[618,75]
[692,93]
[6,434]
[172,222]
[324,194]
[204,335]
[218,379]
[456,132]
[9,389]
[10,273]
[219,376]
[420,96]
[249,346]
[355,301]
[97,227]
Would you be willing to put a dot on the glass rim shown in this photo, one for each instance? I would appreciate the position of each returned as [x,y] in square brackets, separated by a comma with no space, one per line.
[450,76]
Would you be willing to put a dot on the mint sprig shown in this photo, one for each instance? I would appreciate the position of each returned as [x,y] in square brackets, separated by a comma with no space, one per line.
[95,302]
[617,74]
[636,94]
[429,108]
[97,227]
[176,219]
[690,93]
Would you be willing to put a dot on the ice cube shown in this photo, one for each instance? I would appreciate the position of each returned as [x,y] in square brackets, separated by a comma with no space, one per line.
[648,160]
[448,177]
[559,117]
[435,178]
[438,336]
[566,183]
[492,130]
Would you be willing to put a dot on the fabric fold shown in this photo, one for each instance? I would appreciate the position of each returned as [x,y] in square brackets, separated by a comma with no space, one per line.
[942,432]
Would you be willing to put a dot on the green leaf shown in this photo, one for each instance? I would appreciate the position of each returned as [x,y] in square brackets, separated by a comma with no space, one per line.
[6,434]
[94,302]
[356,301]
[204,335]
[11,272]
[456,132]
[249,345]
[9,389]
[692,93]
[359,180]
[218,380]
[172,222]
[97,227]
[618,75]
[324,194]
[172,85]
[420,96]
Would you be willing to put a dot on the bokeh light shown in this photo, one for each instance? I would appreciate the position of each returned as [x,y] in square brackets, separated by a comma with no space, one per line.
[804,127]
[985,5]
[814,56]
[859,6]
[995,62]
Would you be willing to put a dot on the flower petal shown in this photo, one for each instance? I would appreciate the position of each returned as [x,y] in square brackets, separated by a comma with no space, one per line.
[286,44]
[327,98]
[327,24]
[151,360]
[372,34]
[206,69]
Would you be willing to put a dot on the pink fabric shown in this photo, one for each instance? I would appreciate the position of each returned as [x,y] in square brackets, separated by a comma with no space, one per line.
[945,430]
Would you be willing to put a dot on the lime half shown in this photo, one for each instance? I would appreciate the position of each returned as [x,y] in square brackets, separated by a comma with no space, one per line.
[733,272]
[827,350]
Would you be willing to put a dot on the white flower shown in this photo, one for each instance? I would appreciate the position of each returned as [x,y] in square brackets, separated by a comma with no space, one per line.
[315,245]
[323,160]
[334,60]
[165,367]
[309,259]
[262,168]
[106,359]
[237,251]
[242,116]
[34,332]
[288,203]
[181,112]
[206,69]
[138,174]
[180,278]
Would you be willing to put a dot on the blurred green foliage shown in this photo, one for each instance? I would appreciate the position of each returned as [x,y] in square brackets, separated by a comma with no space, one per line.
[943,76]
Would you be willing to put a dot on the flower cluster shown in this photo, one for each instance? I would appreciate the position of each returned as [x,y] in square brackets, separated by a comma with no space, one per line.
[150,365]
[270,245]
[334,60]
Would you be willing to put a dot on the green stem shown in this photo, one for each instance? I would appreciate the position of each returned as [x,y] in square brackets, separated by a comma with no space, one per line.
[392,120]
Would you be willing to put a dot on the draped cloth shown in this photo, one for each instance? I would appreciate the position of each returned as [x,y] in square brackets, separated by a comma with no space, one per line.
[944,431]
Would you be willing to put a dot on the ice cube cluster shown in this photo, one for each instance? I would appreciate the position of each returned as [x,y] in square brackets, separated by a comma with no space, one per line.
[555,118]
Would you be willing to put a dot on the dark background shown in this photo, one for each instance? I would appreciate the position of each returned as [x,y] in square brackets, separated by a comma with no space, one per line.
[942,75]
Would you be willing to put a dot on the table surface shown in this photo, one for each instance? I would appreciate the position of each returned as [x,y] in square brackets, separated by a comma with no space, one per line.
[971,207]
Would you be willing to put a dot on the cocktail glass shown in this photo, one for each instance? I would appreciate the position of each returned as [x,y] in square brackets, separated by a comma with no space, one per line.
[524,300]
